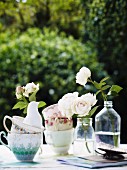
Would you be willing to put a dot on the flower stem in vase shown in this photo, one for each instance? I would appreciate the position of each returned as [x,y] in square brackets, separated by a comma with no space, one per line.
[84,134]
[85,127]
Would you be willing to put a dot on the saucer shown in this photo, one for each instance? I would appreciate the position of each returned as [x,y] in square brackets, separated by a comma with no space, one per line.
[19,127]
[27,127]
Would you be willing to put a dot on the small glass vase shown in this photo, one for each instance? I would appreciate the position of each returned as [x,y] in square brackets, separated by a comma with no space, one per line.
[84,137]
[107,126]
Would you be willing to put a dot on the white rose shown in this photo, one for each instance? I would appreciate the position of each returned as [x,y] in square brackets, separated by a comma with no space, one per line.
[90,98]
[19,92]
[18,96]
[81,106]
[65,104]
[83,75]
[19,89]
[30,88]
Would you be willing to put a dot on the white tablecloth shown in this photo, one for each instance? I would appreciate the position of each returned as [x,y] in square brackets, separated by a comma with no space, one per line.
[46,160]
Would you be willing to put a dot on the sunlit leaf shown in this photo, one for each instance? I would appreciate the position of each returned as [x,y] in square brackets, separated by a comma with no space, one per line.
[41,104]
[93,111]
[20,105]
[32,97]
[97,85]
[25,110]
[115,88]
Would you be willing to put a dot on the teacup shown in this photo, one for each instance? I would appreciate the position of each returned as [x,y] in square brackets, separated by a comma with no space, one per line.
[19,127]
[60,140]
[24,146]
[54,120]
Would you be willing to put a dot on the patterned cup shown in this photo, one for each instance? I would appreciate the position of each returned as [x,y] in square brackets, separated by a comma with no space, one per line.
[24,146]
[19,127]
[54,120]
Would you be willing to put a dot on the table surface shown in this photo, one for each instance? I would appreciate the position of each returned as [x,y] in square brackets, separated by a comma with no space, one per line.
[46,160]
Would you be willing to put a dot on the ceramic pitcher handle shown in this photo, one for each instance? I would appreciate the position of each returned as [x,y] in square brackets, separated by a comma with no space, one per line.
[4,135]
[6,117]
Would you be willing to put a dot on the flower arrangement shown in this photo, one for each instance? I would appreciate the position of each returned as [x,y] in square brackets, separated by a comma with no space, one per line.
[72,105]
[26,94]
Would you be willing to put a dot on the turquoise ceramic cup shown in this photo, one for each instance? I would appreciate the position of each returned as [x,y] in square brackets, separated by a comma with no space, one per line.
[23,146]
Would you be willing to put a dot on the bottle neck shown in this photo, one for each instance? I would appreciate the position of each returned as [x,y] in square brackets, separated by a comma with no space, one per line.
[87,121]
[108,104]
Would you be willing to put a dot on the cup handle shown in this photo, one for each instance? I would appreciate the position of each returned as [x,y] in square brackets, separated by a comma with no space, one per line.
[6,117]
[4,135]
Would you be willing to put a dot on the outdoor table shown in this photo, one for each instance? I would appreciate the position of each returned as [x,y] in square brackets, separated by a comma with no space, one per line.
[45,160]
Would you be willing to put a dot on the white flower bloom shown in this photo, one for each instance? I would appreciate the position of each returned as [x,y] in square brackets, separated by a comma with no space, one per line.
[19,89]
[30,88]
[83,75]
[81,106]
[90,98]
[19,92]
[18,96]
[65,104]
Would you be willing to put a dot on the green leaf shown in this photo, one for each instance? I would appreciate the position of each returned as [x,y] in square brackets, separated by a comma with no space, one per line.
[32,97]
[20,105]
[98,92]
[112,93]
[106,87]
[115,88]
[97,85]
[104,79]
[41,104]
[102,84]
[93,111]
[25,110]
[24,106]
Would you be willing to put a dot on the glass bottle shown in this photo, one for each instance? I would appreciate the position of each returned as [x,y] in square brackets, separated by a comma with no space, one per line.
[107,125]
[84,137]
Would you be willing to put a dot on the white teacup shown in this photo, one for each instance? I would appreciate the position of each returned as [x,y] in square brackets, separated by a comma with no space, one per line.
[60,140]
[24,146]
[19,127]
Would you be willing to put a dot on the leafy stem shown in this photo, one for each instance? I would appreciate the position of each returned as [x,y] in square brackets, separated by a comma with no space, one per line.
[102,88]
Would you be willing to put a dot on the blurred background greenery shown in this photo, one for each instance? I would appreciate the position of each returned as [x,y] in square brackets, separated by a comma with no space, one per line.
[48,41]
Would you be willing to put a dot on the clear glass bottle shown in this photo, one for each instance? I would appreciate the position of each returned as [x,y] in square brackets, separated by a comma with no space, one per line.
[107,125]
[84,137]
